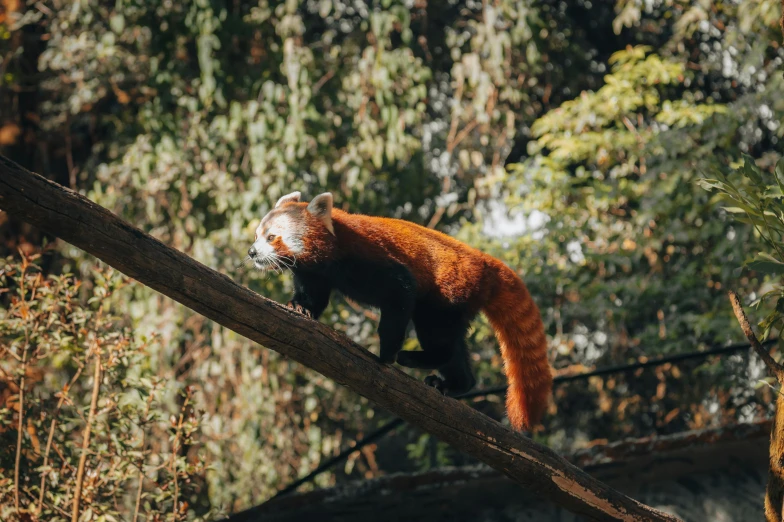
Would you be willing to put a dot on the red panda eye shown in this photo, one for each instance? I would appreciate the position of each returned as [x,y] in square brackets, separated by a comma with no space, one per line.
[271,238]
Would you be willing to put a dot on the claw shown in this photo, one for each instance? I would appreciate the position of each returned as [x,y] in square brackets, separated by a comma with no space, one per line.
[299,309]
[436,382]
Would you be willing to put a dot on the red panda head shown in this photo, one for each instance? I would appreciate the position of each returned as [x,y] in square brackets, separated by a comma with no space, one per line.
[294,233]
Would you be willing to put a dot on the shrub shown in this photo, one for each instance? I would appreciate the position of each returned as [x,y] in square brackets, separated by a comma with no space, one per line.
[94,436]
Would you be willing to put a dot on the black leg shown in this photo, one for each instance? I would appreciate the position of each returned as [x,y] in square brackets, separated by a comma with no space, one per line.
[458,377]
[311,294]
[441,334]
[399,287]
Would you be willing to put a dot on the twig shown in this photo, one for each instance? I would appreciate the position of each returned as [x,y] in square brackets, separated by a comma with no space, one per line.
[21,388]
[176,451]
[86,439]
[437,215]
[453,125]
[175,507]
[50,439]
[497,154]
[141,459]
[21,421]
[324,79]
[774,367]
[12,354]
[462,135]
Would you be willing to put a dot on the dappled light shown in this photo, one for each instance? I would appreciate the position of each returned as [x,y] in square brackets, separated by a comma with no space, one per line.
[623,158]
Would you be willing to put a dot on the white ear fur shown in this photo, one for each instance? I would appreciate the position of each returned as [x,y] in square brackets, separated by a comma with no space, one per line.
[289,198]
[321,207]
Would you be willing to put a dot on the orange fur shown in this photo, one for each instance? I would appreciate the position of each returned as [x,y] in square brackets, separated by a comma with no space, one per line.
[520,332]
[453,273]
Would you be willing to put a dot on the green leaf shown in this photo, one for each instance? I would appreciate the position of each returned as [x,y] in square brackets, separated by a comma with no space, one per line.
[117,23]
[751,170]
[766,264]
[779,171]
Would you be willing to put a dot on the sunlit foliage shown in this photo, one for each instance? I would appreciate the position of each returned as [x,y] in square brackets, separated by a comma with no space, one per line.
[564,137]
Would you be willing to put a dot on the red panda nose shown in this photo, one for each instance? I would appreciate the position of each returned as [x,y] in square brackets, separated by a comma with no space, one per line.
[251,251]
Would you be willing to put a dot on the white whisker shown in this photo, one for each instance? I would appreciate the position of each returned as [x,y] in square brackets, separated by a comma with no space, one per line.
[269,261]
[278,268]
[245,263]
[288,262]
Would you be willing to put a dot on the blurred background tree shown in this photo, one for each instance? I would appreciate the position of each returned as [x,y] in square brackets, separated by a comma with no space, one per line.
[564,137]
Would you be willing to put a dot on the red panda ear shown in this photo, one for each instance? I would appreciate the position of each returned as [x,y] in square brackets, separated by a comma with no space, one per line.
[288,198]
[320,207]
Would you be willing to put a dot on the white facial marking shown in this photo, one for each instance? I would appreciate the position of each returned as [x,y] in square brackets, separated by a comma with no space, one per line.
[273,228]
[282,226]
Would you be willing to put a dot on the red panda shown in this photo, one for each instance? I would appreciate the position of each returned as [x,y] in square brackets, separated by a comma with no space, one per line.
[411,274]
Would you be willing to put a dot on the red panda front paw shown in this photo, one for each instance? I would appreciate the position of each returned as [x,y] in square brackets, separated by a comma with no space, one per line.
[299,309]
[436,382]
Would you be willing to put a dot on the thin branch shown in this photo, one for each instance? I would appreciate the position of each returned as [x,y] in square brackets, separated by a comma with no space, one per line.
[455,119]
[20,430]
[462,135]
[497,153]
[446,185]
[86,439]
[437,215]
[173,464]
[141,459]
[775,368]
[50,439]
[324,79]
[25,348]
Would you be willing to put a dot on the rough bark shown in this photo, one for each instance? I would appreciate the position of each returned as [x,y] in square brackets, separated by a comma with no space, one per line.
[774,494]
[94,229]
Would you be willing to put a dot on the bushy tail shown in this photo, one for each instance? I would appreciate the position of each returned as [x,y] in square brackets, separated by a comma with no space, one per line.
[520,332]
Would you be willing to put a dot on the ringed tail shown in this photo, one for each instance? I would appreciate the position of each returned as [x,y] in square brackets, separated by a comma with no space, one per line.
[520,332]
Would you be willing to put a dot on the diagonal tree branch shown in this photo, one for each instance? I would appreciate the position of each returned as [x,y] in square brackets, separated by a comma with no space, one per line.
[91,227]
[774,367]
